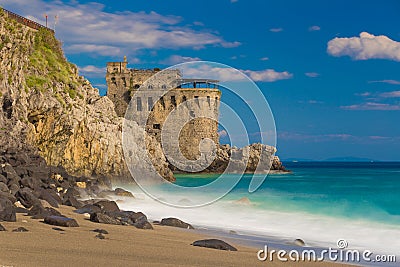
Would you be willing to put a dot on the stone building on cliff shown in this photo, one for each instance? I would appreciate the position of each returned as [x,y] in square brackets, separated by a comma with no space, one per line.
[197,117]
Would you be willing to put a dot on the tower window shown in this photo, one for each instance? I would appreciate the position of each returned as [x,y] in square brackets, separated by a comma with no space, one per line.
[208,100]
[183,99]
[173,100]
[139,104]
[149,103]
[164,86]
[150,86]
[156,126]
[162,102]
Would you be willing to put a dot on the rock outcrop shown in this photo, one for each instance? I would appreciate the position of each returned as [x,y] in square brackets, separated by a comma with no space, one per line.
[257,158]
[46,104]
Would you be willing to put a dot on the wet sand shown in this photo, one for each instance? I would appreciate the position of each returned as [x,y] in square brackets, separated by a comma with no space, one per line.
[123,246]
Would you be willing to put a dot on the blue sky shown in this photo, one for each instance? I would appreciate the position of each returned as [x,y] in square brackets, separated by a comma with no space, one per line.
[329,70]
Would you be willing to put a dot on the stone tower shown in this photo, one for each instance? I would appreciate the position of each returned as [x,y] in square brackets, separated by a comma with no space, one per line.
[195,103]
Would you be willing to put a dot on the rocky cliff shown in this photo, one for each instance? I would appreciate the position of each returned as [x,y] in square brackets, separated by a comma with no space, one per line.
[47,105]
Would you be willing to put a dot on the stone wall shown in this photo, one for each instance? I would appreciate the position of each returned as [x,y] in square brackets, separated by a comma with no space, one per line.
[186,133]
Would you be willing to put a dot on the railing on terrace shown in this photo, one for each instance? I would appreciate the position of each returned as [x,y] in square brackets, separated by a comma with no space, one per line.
[27,22]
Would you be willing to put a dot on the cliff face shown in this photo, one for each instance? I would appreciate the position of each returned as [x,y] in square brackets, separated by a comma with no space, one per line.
[47,105]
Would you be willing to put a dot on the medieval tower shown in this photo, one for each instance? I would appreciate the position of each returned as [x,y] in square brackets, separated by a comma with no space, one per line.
[194,101]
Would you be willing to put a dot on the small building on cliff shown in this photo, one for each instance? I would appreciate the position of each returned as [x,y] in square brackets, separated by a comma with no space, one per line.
[195,103]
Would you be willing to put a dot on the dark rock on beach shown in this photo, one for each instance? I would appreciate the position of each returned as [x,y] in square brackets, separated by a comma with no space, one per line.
[299,242]
[122,192]
[101,231]
[137,219]
[40,212]
[100,236]
[144,225]
[103,218]
[175,223]
[52,199]
[107,206]
[20,230]
[7,210]
[27,198]
[71,197]
[88,208]
[61,221]
[8,196]
[4,187]
[214,243]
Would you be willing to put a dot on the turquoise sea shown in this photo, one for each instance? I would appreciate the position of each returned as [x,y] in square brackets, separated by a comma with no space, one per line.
[319,202]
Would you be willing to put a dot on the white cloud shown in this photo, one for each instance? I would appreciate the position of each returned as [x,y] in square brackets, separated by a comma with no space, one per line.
[314,28]
[372,106]
[198,23]
[231,44]
[104,50]
[222,133]
[264,58]
[210,72]
[228,74]
[276,29]
[312,74]
[365,94]
[393,94]
[367,46]
[268,75]
[91,28]
[92,69]
[386,81]
[176,59]
[315,102]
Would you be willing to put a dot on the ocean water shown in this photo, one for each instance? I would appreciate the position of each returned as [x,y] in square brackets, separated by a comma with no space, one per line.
[318,202]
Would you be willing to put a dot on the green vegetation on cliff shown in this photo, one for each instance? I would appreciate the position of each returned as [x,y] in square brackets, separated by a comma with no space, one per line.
[49,65]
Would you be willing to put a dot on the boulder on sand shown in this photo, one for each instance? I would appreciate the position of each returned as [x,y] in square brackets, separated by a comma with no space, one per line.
[61,221]
[7,210]
[27,198]
[107,206]
[214,243]
[175,223]
[103,218]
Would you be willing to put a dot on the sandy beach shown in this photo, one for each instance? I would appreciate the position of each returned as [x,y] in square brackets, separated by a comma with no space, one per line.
[123,246]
